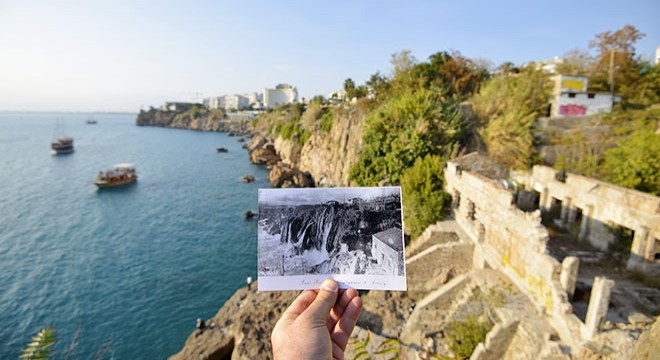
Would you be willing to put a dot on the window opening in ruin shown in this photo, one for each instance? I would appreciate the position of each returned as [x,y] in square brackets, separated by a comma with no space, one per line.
[561,176]
[656,248]
[471,211]
[555,208]
[591,95]
[571,95]
[619,249]
[457,200]
[577,221]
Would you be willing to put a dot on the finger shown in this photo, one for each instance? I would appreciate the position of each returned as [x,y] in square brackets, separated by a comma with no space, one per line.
[346,324]
[325,300]
[345,297]
[300,304]
[337,352]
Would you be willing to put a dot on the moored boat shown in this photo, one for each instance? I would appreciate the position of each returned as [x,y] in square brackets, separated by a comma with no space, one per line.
[120,174]
[91,121]
[62,144]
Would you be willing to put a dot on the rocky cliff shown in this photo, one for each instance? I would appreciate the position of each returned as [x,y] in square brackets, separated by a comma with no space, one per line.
[202,120]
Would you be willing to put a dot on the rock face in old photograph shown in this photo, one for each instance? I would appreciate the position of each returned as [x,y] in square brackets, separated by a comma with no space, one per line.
[333,237]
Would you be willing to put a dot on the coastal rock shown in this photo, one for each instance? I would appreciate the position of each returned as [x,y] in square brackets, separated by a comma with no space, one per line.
[288,150]
[202,121]
[241,328]
[264,155]
[247,179]
[283,175]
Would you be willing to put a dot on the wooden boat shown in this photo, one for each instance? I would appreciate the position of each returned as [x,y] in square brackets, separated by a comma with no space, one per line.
[118,175]
[61,144]
[222,150]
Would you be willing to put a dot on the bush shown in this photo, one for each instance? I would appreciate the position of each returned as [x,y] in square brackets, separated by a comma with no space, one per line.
[327,120]
[400,131]
[506,108]
[635,161]
[424,200]
[466,335]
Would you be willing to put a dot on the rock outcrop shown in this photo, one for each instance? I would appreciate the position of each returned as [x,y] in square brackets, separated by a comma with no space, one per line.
[207,121]
[241,328]
[283,175]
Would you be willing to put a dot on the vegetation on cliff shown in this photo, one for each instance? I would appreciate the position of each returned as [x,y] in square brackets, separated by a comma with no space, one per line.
[506,108]
[415,125]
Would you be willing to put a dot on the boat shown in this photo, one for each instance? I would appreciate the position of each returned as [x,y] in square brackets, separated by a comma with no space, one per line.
[222,150]
[91,121]
[118,175]
[62,144]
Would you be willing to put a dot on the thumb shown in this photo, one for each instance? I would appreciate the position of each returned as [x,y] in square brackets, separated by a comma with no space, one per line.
[326,298]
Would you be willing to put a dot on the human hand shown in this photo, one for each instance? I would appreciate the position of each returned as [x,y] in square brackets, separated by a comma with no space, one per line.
[318,324]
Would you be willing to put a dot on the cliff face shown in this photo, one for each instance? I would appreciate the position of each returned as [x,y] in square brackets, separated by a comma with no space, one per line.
[327,156]
[206,121]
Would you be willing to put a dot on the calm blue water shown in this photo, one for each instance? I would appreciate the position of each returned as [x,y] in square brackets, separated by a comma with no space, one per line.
[133,266]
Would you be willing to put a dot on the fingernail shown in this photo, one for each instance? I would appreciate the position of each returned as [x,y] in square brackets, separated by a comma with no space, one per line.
[330,285]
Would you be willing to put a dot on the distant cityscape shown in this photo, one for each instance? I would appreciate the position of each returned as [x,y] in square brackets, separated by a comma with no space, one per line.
[271,98]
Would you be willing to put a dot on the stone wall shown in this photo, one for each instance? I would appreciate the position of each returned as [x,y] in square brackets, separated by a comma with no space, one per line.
[512,241]
[594,206]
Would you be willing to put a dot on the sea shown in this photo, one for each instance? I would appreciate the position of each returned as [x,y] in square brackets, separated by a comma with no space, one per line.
[123,273]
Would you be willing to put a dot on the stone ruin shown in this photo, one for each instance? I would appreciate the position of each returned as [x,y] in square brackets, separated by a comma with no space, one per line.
[551,306]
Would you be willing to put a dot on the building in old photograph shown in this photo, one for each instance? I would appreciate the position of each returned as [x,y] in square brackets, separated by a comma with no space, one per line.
[387,248]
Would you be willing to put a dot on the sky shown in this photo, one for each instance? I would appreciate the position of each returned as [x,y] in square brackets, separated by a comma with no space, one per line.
[124,55]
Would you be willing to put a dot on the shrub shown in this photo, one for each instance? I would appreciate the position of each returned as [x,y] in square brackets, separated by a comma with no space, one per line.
[506,108]
[464,336]
[635,161]
[400,131]
[424,200]
[327,120]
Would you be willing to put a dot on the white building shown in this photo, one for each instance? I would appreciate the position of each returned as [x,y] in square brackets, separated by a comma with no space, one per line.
[282,94]
[236,102]
[570,98]
[657,55]
[215,103]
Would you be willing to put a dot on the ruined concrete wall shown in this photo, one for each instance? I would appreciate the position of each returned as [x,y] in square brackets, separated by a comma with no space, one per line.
[601,205]
[497,342]
[513,242]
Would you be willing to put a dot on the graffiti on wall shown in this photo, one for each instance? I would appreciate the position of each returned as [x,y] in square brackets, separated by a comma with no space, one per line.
[572,109]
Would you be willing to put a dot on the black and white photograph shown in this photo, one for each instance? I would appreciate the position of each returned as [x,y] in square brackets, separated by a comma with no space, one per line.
[353,235]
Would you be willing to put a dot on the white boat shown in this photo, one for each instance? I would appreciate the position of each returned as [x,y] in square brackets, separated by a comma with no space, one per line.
[118,175]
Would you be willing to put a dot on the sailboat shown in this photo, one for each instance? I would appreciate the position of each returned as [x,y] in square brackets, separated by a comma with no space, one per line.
[62,144]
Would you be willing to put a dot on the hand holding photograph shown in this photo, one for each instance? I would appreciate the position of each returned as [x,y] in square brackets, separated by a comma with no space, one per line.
[353,235]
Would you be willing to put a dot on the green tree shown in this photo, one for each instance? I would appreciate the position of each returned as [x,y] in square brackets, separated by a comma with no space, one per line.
[615,52]
[378,84]
[635,161]
[424,200]
[39,347]
[349,87]
[402,129]
[576,62]
[459,76]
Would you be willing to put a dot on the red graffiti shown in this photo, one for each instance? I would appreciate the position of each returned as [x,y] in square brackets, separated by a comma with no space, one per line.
[572,109]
